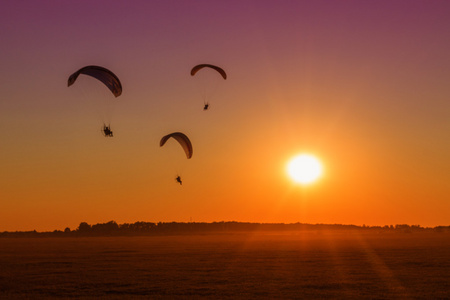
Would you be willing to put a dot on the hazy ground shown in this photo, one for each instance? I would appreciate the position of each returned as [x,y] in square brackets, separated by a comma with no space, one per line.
[288,265]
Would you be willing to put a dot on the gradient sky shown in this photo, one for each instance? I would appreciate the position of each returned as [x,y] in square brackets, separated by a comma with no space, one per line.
[363,85]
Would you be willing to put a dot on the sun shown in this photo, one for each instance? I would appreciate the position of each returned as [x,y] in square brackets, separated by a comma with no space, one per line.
[304,168]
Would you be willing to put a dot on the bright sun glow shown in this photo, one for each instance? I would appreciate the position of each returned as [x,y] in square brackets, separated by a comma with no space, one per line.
[304,168]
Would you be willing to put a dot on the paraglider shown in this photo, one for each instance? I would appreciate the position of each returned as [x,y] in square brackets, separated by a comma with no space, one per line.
[107,77]
[184,142]
[208,81]
[180,138]
[107,131]
[101,100]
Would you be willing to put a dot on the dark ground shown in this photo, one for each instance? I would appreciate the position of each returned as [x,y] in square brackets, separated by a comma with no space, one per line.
[313,264]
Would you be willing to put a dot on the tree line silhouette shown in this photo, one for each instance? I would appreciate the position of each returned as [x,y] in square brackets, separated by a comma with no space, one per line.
[111,228]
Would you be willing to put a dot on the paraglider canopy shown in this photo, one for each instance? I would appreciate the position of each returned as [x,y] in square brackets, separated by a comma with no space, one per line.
[107,77]
[180,138]
[201,66]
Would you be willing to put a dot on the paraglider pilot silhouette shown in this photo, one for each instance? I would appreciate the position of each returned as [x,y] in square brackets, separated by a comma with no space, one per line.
[178,179]
[107,131]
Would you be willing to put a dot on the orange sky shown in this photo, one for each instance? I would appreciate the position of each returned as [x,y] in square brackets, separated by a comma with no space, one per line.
[363,86]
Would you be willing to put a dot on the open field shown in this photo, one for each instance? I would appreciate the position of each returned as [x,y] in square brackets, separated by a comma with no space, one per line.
[285,265]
